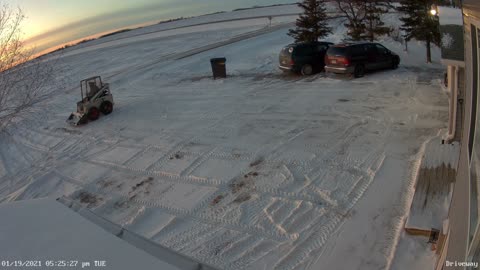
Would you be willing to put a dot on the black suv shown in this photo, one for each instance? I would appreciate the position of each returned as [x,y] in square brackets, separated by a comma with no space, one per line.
[305,58]
[357,58]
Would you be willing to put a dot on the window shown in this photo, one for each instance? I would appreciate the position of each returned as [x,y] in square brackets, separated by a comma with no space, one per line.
[476,256]
[358,50]
[474,88]
[337,51]
[303,50]
[474,140]
[381,49]
[321,48]
[474,176]
[369,48]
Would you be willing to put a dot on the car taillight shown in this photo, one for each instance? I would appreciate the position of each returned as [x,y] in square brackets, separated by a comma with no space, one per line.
[292,63]
[346,62]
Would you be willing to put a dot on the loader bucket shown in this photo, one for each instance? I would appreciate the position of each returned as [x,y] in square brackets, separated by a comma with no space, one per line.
[76,119]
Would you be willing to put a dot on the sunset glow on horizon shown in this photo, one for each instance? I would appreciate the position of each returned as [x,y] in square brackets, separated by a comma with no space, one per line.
[50,24]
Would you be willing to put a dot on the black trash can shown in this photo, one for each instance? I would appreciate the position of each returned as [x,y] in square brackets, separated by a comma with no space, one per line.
[219,68]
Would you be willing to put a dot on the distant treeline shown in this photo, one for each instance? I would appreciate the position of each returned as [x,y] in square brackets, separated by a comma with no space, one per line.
[254,7]
[161,22]
[114,33]
[173,20]
[68,46]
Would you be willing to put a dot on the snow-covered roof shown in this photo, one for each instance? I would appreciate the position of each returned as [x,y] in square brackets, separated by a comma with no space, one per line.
[449,16]
[44,230]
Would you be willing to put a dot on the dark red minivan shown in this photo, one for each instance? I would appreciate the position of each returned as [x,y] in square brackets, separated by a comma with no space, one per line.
[358,58]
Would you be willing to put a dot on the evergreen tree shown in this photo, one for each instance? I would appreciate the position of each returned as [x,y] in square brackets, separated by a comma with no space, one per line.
[419,24]
[374,26]
[313,23]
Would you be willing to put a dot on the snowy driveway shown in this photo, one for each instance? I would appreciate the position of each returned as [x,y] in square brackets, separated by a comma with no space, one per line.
[255,171]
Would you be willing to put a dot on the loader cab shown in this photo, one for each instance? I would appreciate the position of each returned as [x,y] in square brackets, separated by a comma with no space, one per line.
[90,87]
[96,99]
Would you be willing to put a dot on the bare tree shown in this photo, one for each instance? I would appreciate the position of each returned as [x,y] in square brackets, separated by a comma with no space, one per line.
[355,12]
[23,80]
[365,18]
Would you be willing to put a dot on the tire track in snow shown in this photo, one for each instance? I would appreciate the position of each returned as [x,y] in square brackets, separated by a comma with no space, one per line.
[171,177]
[195,51]
[140,153]
[197,163]
[148,203]
[163,175]
[334,219]
[183,213]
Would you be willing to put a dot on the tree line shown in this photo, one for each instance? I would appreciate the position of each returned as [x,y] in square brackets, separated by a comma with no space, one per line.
[364,20]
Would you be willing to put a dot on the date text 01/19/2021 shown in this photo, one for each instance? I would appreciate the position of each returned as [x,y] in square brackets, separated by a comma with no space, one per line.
[52,263]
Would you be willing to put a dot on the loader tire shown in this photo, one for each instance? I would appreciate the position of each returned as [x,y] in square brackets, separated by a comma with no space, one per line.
[106,107]
[93,114]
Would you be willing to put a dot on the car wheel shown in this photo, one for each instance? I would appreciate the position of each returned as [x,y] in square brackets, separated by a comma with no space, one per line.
[394,63]
[307,70]
[106,107]
[359,71]
[93,114]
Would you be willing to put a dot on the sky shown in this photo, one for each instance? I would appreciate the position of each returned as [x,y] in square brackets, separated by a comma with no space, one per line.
[50,23]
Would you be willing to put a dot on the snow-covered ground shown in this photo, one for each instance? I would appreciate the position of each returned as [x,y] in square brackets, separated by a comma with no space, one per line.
[257,171]
[59,234]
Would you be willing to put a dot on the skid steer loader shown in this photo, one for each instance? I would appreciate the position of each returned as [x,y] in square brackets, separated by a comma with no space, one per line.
[96,99]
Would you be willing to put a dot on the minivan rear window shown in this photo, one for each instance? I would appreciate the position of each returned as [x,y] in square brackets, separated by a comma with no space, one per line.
[337,51]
